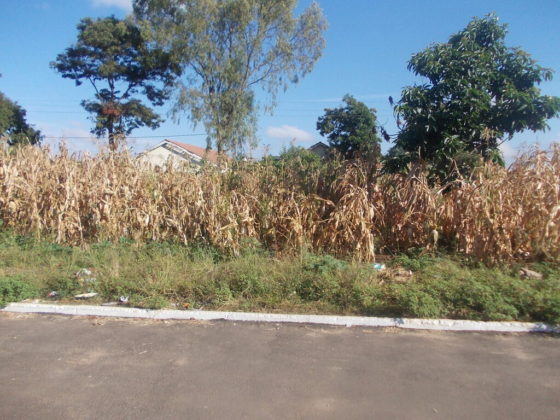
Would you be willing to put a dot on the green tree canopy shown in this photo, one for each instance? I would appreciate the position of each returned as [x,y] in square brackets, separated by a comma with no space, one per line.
[478,94]
[119,60]
[230,48]
[351,130]
[14,127]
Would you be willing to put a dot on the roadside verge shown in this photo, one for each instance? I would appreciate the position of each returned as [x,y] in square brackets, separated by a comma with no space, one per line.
[348,321]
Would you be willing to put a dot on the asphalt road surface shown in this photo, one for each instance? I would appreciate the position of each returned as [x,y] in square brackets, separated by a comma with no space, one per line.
[55,367]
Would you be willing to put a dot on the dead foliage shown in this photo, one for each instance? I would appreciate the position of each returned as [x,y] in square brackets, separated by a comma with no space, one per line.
[497,215]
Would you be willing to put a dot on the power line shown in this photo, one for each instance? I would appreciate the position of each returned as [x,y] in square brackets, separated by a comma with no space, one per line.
[56,112]
[139,137]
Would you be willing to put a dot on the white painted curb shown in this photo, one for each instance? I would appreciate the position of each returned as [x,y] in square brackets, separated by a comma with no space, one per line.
[348,321]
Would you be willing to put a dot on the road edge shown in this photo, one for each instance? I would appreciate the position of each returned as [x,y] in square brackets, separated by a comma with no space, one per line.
[335,320]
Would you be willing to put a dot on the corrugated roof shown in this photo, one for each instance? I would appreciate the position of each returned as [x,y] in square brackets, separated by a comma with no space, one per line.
[211,155]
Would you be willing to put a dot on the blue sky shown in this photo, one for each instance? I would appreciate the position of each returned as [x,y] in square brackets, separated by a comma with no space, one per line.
[368,44]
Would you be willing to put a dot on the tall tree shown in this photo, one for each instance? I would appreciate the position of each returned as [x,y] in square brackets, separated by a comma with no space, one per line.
[228,49]
[352,129]
[119,60]
[14,128]
[478,94]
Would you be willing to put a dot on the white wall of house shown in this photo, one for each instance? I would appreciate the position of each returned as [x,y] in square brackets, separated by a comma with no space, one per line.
[160,155]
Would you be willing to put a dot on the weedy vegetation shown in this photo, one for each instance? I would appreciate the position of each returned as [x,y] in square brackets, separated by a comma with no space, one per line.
[347,210]
[290,236]
[163,274]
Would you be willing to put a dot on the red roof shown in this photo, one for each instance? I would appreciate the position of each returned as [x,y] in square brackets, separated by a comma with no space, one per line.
[211,155]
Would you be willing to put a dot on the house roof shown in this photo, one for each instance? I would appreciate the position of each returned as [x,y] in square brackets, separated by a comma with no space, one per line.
[211,155]
[319,145]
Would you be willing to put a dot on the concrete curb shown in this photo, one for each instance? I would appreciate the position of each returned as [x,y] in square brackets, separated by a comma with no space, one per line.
[347,321]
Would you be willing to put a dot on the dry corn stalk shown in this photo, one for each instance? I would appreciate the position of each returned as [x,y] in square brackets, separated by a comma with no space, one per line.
[500,214]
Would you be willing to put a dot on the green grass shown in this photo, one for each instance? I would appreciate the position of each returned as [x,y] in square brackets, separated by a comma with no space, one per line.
[170,275]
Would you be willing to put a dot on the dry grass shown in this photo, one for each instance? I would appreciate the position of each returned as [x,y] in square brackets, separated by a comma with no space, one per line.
[498,215]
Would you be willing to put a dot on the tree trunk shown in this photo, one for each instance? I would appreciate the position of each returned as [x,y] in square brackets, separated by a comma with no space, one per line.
[111,135]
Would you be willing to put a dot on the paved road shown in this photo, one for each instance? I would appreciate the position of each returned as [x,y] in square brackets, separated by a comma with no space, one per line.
[54,367]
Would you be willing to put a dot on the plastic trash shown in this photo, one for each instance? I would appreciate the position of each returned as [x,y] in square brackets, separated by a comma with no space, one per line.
[85,276]
[530,274]
[84,272]
[53,293]
[378,266]
[123,299]
[86,295]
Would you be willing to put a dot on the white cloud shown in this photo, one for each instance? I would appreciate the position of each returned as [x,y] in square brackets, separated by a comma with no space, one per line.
[74,135]
[510,152]
[122,4]
[66,129]
[288,132]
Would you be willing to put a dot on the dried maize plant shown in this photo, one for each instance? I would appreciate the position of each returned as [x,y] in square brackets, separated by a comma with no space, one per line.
[348,215]
[282,215]
[499,214]
[409,211]
[502,214]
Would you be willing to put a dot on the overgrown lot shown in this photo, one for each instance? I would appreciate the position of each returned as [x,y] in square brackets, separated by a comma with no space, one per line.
[290,235]
[160,275]
[348,209]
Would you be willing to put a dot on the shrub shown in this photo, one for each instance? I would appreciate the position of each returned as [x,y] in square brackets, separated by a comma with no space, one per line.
[13,289]
[64,286]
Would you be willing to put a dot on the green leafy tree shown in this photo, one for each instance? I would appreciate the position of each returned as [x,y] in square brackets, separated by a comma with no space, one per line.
[299,166]
[14,128]
[297,155]
[230,48]
[351,130]
[119,60]
[478,94]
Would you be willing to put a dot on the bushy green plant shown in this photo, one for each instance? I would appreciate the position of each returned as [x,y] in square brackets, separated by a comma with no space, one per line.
[322,264]
[158,275]
[55,248]
[153,302]
[320,279]
[415,302]
[251,246]
[417,263]
[64,286]
[13,289]
[318,286]
[247,284]
[297,163]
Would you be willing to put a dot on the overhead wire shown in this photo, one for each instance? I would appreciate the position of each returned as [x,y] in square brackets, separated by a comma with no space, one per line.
[128,137]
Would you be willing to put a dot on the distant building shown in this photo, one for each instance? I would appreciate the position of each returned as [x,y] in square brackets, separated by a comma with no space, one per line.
[178,153]
[320,149]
